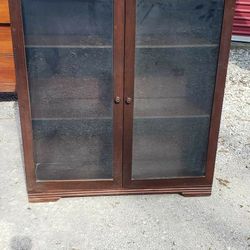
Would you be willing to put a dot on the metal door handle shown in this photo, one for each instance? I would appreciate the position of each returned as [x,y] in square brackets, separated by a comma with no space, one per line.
[117,99]
[128,100]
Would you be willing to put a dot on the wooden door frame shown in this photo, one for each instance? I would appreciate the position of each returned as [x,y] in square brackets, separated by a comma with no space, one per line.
[50,190]
[201,185]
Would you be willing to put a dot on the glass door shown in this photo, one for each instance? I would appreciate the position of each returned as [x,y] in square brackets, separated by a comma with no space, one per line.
[169,87]
[72,50]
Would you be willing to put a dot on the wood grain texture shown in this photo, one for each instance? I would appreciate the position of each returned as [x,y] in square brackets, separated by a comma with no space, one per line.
[4,12]
[7,68]
[7,74]
[5,41]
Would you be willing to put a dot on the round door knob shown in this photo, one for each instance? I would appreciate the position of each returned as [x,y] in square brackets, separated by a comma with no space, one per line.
[128,100]
[117,99]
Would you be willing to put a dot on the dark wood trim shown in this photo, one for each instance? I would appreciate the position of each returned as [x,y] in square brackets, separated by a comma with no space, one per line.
[22,90]
[55,195]
[225,45]
[130,19]
[118,65]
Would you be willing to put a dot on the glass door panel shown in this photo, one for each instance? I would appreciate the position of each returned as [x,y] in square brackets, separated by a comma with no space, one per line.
[69,54]
[177,45]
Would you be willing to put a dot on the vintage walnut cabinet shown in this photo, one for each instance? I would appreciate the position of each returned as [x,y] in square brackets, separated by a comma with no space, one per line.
[120,96]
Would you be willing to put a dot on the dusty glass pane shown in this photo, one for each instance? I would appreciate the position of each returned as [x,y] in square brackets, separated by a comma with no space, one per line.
[177,45]
[69,50]
[178,22]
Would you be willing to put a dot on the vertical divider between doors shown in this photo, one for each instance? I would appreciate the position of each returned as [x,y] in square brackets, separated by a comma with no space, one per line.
[129,64]
[118,82]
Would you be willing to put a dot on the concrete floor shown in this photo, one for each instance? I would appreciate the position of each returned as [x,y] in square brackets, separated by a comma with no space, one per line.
[221,221]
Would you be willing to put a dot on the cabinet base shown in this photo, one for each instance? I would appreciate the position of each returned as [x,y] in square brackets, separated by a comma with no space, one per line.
[52,196]
[40,198]
[196,194]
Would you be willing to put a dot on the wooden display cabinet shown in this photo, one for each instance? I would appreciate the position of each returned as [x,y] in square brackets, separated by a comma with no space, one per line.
[120,96]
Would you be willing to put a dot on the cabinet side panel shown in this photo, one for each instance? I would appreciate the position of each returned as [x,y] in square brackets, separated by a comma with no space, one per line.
[225,45]
[22,91]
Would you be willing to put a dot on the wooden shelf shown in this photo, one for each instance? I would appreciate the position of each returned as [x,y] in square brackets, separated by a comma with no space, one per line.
[69,41]
[89,46]
[73,118]
[162,46]
[170,41]
[83,109]
[84,42]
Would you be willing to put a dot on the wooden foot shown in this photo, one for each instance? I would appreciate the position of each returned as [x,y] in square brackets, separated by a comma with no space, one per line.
[195,194]
[33,199]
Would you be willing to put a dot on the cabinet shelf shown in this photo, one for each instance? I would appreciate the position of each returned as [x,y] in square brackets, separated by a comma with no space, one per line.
[83,42]
[67,41]
[83,119]
[93,109]
[160,46]
[176,46]
[71,118]
[70,46]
